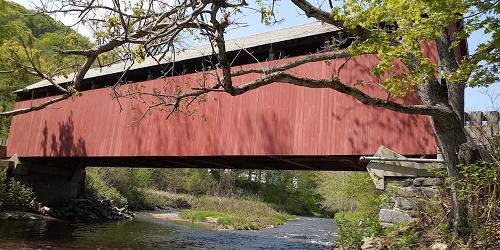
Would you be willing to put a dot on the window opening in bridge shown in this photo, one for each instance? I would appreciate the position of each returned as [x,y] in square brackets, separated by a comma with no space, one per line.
[267,52]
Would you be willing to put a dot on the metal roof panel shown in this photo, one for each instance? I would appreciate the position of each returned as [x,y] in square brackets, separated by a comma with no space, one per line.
[286,34]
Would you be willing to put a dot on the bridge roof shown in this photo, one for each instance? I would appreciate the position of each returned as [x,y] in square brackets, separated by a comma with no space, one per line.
[287,34]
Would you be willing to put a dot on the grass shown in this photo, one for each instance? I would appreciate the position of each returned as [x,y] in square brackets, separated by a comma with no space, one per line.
[95,185]
[146,200]
[223,220]
[126,194]
[230,212]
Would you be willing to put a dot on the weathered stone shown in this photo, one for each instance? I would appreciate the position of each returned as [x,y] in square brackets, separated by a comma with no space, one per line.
[394,216]
[408,192]
[51,184]
[439,246]
[426,182]
[370,244]
[386,225]
[389,203]
[90,209]
[476,118]
[429,192]
[413,192]
[182,203]
[404,203]
[44,210]
[406,182]
[211,220]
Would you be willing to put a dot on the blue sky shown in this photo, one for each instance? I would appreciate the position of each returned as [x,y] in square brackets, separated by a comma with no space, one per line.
[483,99]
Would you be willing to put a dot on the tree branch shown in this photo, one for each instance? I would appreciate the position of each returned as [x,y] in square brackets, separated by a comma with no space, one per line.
[337,85]
[326,17]
[293,64]
[34,108]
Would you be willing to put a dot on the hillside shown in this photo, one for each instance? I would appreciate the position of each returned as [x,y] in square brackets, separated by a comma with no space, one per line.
[43,36]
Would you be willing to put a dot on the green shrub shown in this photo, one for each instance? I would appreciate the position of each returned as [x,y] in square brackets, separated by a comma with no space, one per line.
[285,190]
[141,199]
[95,185]
[347,191]
[125,186]
[14,195]
[353,227]
[199,181]
[356,203]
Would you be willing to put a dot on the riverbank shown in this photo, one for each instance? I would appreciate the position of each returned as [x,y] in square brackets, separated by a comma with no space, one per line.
[241,213]
[25,216]
[172,215]
[214,212]
[82,210]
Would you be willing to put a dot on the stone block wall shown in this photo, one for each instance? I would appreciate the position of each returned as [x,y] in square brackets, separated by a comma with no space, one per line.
[406,195]
[51,184]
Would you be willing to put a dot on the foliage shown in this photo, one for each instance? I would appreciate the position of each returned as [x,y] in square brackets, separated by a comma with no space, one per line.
[95,185]
[347,191]
[199,181]
[235,212]
[144,200]
[168,179]
[484,16]
[289,191]
[214,191]
[354,226]
[400,237]
[482,198]
[14,195]
[43,37]
[398,29]
[479,189]
[356,203]
[127,186]
[224,220]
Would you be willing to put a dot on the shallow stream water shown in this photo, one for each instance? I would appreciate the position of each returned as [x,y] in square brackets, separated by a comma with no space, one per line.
[146,232]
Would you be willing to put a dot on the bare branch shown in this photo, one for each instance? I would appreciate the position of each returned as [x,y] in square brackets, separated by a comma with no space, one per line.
[295,63]
[35,68]
[337,85]
[326,17]
[34,108]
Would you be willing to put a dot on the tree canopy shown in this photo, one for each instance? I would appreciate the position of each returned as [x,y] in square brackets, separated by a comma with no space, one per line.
[43,38]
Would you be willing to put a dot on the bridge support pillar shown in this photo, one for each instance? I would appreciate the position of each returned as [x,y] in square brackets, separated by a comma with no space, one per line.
[50,182]
[408,184]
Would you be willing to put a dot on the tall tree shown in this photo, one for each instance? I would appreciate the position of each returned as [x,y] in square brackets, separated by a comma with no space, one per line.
[392,29]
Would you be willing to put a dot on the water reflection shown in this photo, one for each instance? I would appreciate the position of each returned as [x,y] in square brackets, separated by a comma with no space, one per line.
[36,230]
[139,233]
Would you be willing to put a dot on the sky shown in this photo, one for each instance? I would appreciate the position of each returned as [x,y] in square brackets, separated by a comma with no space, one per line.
[483,99]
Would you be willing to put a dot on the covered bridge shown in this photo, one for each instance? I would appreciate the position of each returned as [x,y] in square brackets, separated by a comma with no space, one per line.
[279,126]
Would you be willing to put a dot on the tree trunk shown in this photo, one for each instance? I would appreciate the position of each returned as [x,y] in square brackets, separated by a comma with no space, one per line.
[450,135]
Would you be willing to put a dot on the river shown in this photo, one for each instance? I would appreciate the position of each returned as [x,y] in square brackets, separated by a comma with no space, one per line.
[146,232]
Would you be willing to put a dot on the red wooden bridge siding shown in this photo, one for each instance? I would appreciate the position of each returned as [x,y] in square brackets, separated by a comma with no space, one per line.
[278,119]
